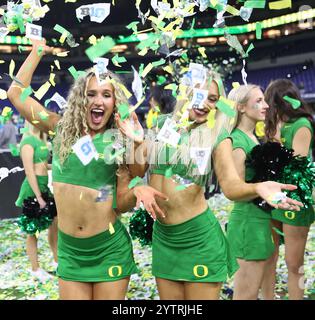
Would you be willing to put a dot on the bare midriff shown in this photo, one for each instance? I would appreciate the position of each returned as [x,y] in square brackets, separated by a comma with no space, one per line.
[182,205]
[79,215]
[40,169]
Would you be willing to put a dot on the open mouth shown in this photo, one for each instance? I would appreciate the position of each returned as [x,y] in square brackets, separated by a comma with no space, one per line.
[97,115]
[200,112]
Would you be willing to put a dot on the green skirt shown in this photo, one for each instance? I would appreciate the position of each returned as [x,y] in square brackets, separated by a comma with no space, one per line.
[102,257]
[250,238]
[195,251]
[26,191]
[303,218]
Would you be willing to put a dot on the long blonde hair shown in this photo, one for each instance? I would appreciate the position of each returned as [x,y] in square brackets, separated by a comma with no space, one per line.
[73,125]
[201,136]
[241,95]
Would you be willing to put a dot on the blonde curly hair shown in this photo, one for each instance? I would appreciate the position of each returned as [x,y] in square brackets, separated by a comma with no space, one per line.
[73,125]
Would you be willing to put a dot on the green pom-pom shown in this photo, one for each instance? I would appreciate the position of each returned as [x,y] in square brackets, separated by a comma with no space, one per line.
[141,227]
[32,225]
[300,172]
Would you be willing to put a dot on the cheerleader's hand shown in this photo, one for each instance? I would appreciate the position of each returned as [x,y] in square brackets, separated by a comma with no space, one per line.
[41,202]
[146,195]
[40,47]
[130,127]
[271,192]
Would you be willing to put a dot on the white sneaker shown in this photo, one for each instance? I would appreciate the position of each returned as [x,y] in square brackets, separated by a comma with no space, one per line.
[41,275]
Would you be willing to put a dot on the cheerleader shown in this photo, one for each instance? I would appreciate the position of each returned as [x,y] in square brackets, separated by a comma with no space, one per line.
[289,122]
[249,227]
[95,256]
[35,198]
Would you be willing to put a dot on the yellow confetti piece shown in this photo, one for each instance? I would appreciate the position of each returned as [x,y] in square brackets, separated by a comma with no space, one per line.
[137,105]
[202,51]
[143,52]
[232,10]
[62,54]
[35,121]
[236,85]
[51,133]
[11,68]
[146,70]
[42,90]
[73,1]
[123,88]
[278,5]
[92,40]
[37,234]
[81,194]
[260,129]
[52,79]
[2,61]
[168,69]
[111,228]
[3,94]
[211,118]
[57,64]
[63,37]
[6,111]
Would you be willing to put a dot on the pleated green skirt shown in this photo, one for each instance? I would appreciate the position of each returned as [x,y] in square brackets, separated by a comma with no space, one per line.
[195,251]
[102,257]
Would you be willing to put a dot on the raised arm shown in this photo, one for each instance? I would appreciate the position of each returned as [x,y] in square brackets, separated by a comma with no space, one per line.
[27,153]
[30,108]
[234,188]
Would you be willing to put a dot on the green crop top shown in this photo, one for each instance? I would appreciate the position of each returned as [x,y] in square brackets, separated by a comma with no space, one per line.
[41,152]
[96,175]
[242,141]
[289,129]
[163,166]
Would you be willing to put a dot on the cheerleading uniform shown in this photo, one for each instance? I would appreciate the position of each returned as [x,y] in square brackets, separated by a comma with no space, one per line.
[304,217]
[33,219]
[107,256]
[249,227]
[195,250]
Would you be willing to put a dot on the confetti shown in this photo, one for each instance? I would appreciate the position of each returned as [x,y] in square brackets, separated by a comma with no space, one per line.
[282,4]
[100,48]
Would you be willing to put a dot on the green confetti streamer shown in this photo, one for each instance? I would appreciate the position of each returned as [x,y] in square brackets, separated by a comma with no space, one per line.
[158,63]
[100,48]
[23,130]
[258,30]
[14,150]
[258,4]
[133,26]
[278,231]
[168,173]
[250,48]
[123,111]
[135,181]
[26,93]
[225,108]
[180,188]
[294,103]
